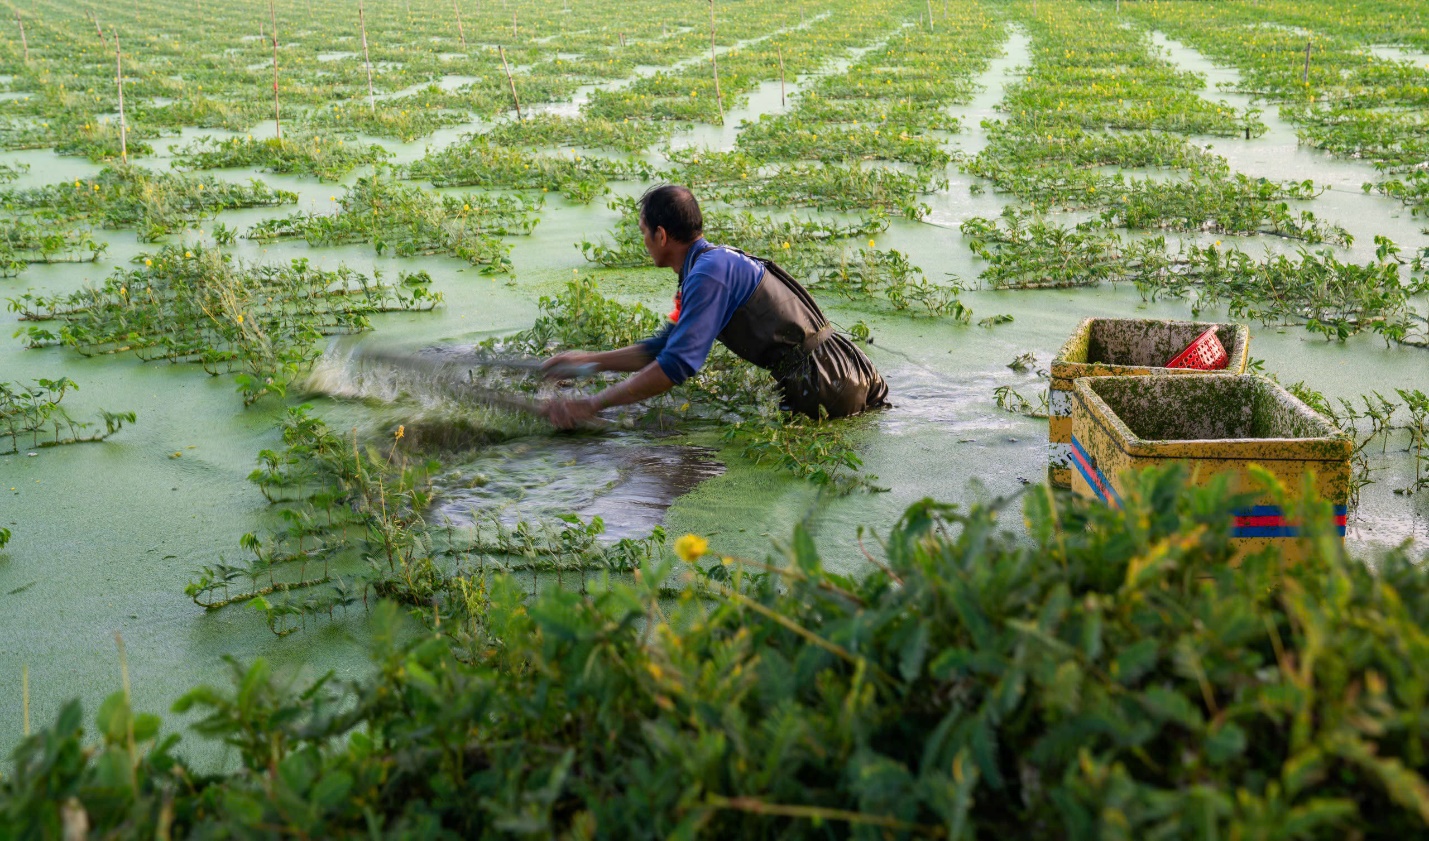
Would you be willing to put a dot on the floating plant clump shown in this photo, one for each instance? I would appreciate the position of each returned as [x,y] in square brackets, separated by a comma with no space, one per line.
[1330,296]
[154,203]
[740,179]
[408,220]
[197,304]
[315,155]
[478,161]
[25,240]
[31,416]
[546,130]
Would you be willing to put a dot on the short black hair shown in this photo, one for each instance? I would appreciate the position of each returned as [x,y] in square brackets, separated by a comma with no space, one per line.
[673,208]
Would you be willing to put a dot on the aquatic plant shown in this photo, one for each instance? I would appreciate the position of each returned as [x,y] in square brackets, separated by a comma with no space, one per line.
[39,239]
[546,130]
[408,220]
[188,303]
[738,179]
[322,158]
[1327,295]
[478,161]
[154,203]
[31,416]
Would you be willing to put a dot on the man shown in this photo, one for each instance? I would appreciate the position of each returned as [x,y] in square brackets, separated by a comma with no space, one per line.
[751,305]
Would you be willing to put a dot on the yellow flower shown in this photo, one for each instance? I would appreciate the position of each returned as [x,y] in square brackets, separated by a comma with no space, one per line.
[240,318]
[786,245]
[691,548]
[401,430]
[188,254]
[466,207]
[872,244]
[148,262]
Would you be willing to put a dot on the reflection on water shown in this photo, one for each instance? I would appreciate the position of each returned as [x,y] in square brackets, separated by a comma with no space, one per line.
[627,481]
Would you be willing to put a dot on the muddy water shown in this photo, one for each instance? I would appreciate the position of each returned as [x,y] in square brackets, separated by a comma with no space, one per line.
[106,535]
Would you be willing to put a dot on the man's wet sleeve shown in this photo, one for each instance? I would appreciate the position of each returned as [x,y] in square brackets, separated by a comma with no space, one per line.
[657,342]
[703,304]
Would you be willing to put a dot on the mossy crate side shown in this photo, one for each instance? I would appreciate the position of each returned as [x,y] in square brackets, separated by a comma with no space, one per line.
[1217,425]
[1115,347]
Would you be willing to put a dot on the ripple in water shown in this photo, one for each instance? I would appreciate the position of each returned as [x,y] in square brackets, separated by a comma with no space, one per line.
[627,481]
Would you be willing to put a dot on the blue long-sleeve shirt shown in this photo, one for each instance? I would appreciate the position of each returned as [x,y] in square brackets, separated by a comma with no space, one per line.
[714,282]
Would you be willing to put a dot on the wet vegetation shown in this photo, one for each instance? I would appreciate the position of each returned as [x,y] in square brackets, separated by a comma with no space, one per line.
[196,304]
[31,417]
[1066,696]
[408,221]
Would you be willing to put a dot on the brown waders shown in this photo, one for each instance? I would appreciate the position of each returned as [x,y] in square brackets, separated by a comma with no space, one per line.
[781,329]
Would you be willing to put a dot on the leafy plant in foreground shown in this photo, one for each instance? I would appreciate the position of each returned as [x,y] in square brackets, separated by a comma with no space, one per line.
[1109,675]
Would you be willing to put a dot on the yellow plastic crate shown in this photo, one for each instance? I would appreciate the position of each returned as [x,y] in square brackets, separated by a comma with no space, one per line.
[1217,425]
[1116,347]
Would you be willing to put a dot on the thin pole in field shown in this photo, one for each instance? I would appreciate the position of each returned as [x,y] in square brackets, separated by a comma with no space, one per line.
[459,33]
[510,81]
[277,124]
[513,25]
[714,65]
[24,43]
[98,31]
[780,52]
[119,81]
[1307,63]
[362,22]
[930,15]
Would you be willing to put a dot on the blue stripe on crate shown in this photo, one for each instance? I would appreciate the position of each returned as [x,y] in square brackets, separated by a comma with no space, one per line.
[1093,475]
[1270,521]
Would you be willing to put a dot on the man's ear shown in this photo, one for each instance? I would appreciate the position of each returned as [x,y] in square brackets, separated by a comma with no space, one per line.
[661,236]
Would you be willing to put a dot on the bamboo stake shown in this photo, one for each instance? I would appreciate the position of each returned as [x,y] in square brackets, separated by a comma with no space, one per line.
[714,65]
[780,51]
[119,81]
[459,33]
[513,25]
[510,81]
[362,22]
[24,43]
[97,30]
[277,123]
[1306,80]
[930,15]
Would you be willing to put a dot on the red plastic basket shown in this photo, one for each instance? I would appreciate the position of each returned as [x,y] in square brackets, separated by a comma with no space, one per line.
[1206,353]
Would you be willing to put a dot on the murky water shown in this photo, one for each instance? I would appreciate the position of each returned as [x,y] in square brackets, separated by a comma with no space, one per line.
[106,535]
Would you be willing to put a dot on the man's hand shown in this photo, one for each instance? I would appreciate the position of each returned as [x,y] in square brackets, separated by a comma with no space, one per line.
[567,360]
[569,414]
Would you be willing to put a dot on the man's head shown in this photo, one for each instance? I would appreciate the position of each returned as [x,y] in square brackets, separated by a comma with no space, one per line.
[670,220]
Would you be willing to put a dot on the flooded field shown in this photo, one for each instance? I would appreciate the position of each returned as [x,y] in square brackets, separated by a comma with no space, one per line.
[105,536]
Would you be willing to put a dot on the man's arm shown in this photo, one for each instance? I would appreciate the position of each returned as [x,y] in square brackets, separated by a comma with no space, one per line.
[650,382]
[626,359]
